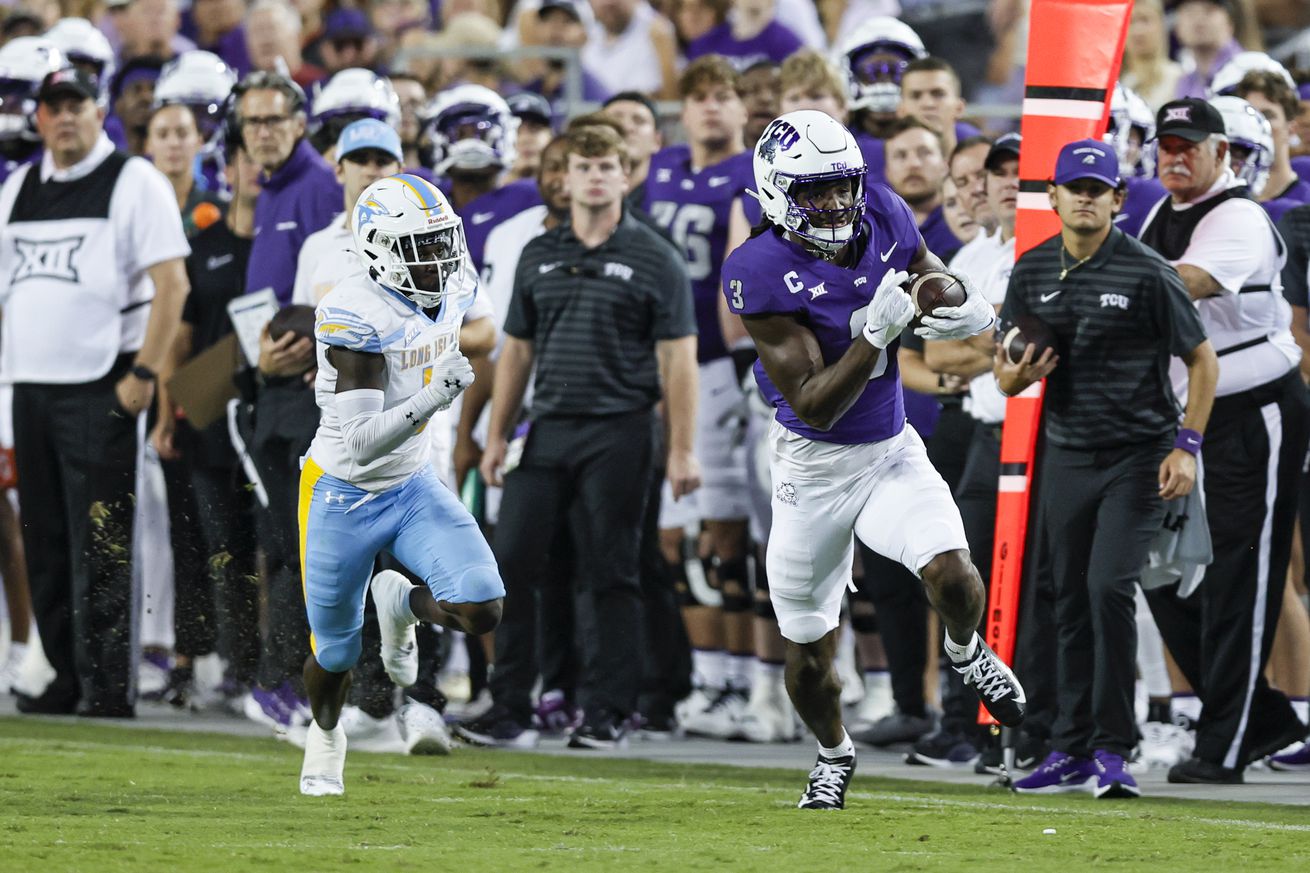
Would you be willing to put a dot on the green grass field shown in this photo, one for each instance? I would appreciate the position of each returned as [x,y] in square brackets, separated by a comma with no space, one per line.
[76,797]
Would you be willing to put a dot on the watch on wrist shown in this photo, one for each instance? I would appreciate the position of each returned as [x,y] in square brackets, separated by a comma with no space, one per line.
[142,372]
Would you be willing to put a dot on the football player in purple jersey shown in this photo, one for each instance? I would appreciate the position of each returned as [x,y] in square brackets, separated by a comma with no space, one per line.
[690,190]
[468,134]
[1131,128]
[820,291]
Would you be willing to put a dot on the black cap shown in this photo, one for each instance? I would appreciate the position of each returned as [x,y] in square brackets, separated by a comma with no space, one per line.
[70,80]
[1190,118]
[531,106]
[1005,148]
[571,7]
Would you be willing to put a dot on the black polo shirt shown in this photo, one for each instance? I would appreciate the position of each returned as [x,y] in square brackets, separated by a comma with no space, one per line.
[594,316]
[1295,228]
[1118,319]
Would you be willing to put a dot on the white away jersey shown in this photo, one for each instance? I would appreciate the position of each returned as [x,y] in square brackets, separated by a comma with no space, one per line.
[361,315]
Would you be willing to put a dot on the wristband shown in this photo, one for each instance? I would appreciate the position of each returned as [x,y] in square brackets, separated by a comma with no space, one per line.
[142,372]
[1189,440]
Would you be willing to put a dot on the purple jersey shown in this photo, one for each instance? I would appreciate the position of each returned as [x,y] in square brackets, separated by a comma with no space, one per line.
[1301,166]
[937,234]
[1142,196]
[693,207]
[483,214]
[1295,194]
[875,157]
[774,43]
[770,275]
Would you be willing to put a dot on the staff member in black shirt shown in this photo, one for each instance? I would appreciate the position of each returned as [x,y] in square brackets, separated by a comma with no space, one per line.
[1118,313]
[1230,258]
[602,306]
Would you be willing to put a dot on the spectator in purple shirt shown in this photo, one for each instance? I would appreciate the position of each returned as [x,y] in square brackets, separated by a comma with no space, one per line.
[751,33]
[1273,98]
[916,166]
[300,191]
[216,26]
[1204,29]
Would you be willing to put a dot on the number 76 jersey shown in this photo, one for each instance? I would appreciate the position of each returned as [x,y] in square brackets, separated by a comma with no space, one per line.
[693,206]
[771,275]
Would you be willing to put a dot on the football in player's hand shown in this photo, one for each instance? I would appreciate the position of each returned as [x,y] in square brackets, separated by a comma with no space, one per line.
[1016,335]
[297,318]
[934,289]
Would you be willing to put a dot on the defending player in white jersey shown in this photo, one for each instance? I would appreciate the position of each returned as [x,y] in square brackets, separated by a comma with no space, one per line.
[388,358]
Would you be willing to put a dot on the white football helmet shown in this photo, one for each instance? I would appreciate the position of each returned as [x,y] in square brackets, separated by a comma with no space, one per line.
[1129,113]
[24,62]
[876,85]
[201,81]
[1250,141]
[349,96]
[796,151]
[394,221]
[468,127]
[85,46]
[1228,77]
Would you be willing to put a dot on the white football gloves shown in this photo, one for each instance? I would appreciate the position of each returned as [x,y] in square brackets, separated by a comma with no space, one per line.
[890,311]
[959,322]
[451,374]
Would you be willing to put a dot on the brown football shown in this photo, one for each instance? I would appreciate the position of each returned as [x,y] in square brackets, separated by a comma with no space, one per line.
[1016,335]
[933,289]
[297,318]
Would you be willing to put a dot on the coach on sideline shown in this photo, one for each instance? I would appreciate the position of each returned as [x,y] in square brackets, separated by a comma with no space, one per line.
[92,282]
[1230,256]
[602,306]
[1112,444]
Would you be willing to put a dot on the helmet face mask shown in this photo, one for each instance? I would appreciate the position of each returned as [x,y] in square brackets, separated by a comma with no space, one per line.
[408,238]
[468,128]
[348,96]
[819,197]
[1131,128]
[24,62]
[1250,141]
[874,56]
[202,82]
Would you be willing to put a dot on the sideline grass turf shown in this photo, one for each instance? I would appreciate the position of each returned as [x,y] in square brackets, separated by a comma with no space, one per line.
[94,798]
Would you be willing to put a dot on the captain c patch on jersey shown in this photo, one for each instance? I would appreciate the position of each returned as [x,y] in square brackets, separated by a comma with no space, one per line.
[46,259]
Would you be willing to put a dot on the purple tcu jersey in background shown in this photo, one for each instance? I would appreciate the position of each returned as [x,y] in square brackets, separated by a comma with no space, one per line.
[1142,194]
[693,207]
[485,213]
[770,275]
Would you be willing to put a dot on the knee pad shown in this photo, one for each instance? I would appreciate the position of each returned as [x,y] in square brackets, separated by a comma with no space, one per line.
[734,585]
[338,655]
[803,628]
[479,584]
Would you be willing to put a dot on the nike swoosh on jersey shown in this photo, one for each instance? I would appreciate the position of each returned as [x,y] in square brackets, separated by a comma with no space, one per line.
[716,181]
[887,254]
[1047,298]
[482,217]
[216,261]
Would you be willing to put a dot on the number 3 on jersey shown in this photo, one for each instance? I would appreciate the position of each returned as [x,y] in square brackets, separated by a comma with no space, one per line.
[858,317]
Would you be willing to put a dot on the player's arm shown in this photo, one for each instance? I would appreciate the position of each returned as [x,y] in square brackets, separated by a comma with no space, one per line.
[513,368]
[679,375]
[371,432]
[820,394]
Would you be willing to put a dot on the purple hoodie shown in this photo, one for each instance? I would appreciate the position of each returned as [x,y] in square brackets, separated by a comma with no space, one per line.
[300,197]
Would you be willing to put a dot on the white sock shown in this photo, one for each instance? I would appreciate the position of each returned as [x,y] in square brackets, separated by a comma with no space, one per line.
[406,609]
[739,672]
[844,749]
[960,653]
[711,666]
[877,680]
[1188,705]
[1301,706]
[768,672]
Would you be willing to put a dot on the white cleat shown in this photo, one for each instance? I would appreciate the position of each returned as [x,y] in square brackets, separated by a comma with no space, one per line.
[322,774]
[1163,745]
[769,716]
[396,622]
[369,734]
[877,704]
[423,730]
[722,719]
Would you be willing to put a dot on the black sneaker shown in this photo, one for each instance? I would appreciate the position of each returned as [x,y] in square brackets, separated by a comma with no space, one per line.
[601,732]
[180,689]
[895,728]
[944,748]
[828,783]
[50,702]
[658,726]
[995,684]
[1194,771]
[499,728]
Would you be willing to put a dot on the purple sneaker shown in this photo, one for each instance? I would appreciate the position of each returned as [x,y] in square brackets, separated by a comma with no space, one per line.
[297,706]
[1058,774]
[555,714]
[1295,761]
[1112,777]
[266,708]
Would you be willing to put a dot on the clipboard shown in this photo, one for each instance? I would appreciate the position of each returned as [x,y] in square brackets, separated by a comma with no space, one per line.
[204,385]
[250,314]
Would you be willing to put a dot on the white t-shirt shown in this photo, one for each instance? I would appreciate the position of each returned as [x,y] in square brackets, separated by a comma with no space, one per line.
[627,62]
[1237,245]
[988,262]
[73,280]
[326,257]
